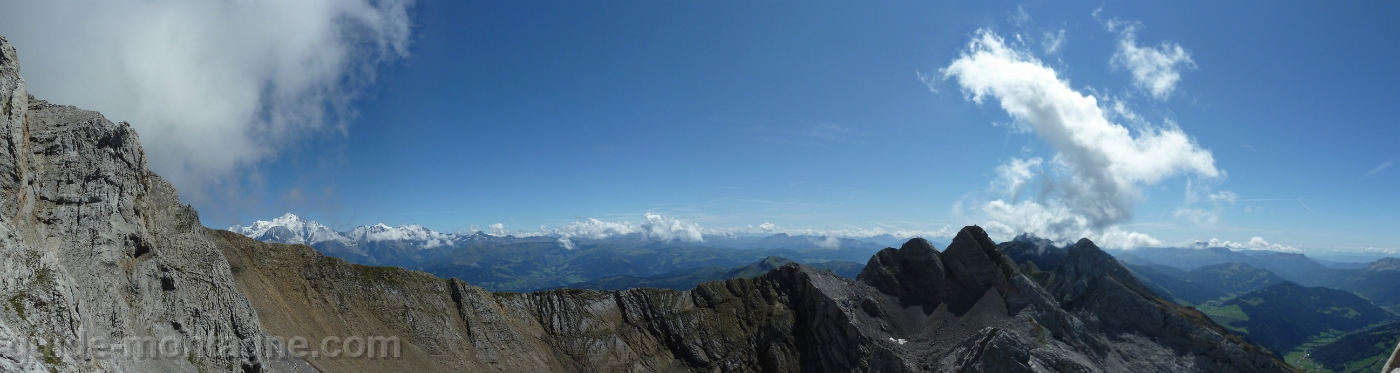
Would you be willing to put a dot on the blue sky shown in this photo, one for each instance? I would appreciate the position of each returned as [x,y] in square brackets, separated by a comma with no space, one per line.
[803,115]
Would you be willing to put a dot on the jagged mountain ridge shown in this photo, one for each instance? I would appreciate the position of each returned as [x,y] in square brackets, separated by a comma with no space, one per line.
[975,312]
[94,243]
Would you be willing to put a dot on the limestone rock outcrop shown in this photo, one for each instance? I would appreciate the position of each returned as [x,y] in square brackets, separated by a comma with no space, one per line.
[96,249]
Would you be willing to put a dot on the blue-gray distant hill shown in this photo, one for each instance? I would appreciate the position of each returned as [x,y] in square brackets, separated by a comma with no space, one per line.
[1286,315]
[1200,284]
[1378,281]
[1294,267]
[690,278]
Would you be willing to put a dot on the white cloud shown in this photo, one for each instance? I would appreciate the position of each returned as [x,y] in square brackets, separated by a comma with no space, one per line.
[383,232]
[213,87]
[1053,41]
[928,81]
[1197,215]
[1155,69]
[768,228]
[655,227]
[1256,243]
[826,242]
[662,228]
[1099,166]
[668,229]
[1020,18]
[1056,222]
[497,229]
[1013,176]
[1383,250]
[1199,193]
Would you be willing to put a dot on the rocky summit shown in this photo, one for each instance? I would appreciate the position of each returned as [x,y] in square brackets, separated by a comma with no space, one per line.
[97,252]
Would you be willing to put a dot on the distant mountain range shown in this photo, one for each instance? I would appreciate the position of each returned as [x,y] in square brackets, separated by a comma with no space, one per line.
[292,229]
[1294,267]
[1236,272]
[500,262]
[690,278]
[1206,283]
[1169,283]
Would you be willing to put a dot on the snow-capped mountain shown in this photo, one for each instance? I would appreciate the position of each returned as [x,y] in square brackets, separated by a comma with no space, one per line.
[293,229]
[411,233]
[381,240]
[289,228]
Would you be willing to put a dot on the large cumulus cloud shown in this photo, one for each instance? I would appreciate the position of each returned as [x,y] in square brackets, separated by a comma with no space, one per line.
[214,87]
[1094,179]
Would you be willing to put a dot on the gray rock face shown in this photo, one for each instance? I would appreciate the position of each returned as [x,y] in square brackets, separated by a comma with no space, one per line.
[94,247]
[1392,365]
[894,271]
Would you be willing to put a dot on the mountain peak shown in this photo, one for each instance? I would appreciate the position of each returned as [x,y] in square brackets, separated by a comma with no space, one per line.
[913,273]
[288,228]
[1384,264]
[1029,238]
[918,249]
[1086,263]
[973,259]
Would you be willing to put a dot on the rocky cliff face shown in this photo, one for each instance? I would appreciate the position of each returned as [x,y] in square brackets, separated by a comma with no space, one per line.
[93,246]
[1392,365]
[96,249]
